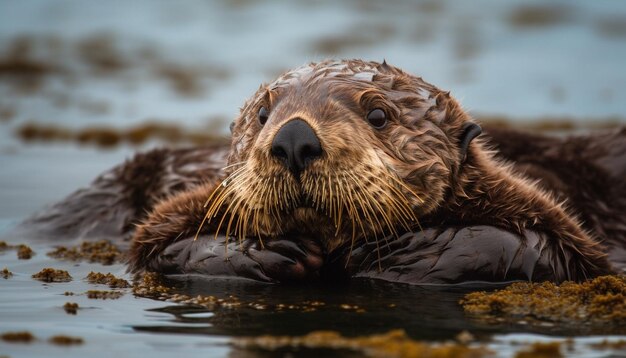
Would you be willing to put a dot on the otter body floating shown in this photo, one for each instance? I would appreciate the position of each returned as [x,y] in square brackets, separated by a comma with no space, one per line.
[358,169]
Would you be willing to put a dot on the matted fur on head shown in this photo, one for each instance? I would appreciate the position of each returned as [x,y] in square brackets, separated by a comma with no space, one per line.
[371,180]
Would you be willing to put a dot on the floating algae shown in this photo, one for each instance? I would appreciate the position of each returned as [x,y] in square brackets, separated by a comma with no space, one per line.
[52,275]
[106,137]
[541,350]
[605,344]
[107,279]
[102,251]
[18,337]
[24,252]
[104,295]
[65,340]
[27,337]
[394,343]
[150,285]
[70,307]
[598,301]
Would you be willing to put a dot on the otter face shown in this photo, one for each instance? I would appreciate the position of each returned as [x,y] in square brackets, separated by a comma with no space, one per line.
[339,150]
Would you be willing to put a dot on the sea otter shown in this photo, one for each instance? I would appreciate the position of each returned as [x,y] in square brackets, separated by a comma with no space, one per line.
[349,168]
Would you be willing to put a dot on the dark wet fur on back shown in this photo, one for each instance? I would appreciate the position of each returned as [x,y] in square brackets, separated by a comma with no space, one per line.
[587,171]
[116,201]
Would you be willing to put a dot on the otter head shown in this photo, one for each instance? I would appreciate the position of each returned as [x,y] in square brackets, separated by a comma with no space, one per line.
[340,150]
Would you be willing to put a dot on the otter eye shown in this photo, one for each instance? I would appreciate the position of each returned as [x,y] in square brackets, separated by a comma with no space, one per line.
[377,118]
[263,114]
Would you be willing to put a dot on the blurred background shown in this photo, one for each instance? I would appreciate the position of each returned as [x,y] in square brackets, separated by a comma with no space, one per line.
[84,84]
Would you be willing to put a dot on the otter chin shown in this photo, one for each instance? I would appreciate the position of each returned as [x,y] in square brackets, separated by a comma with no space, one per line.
[354,168]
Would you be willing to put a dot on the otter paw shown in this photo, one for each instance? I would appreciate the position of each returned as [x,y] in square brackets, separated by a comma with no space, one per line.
[279,260]
[285,260]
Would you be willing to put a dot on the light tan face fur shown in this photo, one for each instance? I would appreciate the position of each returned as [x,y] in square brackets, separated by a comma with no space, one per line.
[368,182]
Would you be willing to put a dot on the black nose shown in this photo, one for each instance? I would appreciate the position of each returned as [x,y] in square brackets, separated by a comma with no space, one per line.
[296,145]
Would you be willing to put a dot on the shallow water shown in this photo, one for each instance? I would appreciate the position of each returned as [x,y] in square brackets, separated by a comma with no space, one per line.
[133,325]
[500,59]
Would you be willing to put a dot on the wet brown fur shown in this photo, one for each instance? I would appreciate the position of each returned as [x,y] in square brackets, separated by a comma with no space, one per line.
[370,182]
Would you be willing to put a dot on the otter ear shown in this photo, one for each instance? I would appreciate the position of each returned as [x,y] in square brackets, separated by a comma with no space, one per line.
[470,131]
